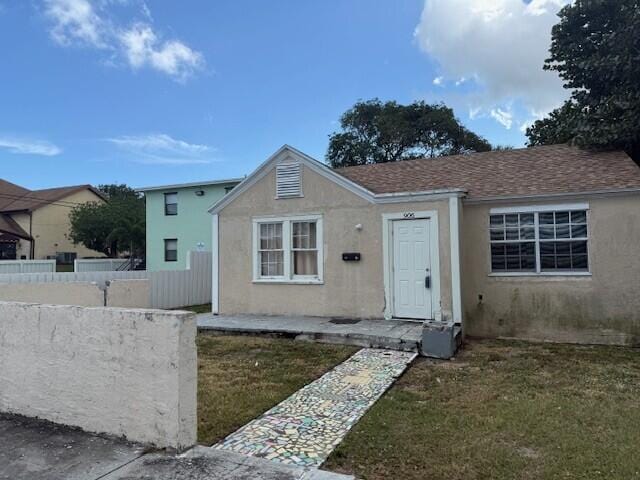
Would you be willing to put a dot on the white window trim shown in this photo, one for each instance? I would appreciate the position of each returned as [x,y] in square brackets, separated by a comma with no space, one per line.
[288,277]
[540,208]
[536,209]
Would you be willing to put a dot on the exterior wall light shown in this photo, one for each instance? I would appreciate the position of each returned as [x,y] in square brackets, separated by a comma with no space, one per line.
[199,193]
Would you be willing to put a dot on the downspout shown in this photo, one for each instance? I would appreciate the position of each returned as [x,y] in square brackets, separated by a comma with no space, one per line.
[32,249]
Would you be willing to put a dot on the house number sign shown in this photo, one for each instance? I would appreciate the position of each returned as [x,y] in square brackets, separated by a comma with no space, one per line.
[409,215]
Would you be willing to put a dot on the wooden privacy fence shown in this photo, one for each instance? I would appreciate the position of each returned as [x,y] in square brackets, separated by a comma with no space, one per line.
[167,288]
[27,266]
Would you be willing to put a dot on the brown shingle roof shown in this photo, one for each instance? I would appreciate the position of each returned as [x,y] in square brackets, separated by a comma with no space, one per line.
[549,169]
[9,192]
[14,198]
[9,225]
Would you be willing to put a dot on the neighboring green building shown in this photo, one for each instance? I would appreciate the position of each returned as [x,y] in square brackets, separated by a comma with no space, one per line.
[178,221]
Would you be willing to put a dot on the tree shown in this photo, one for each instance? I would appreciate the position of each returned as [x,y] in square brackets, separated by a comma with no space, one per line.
[596,50]
[114,226]
[377,132]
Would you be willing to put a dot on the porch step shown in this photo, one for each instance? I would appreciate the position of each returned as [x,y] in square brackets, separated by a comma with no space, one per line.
[392,335]
[361,340]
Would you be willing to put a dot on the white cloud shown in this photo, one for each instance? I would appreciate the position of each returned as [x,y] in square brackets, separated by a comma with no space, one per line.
[503,117]
[438,81]
[500,44]
[29,147]
[74,20]
[81,22]
[460,81]
[142,47]
[474,112]
[162,149]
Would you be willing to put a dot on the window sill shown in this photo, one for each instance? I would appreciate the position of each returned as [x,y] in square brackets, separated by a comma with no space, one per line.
[540,275]
[289,282]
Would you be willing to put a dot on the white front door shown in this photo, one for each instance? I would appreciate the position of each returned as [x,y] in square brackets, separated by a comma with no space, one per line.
[411,269]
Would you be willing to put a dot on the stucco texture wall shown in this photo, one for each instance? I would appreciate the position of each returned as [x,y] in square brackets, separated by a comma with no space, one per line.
[190,226]
[51,227]
[23,247]
[128,294]
[119,293]
[602,308]
[54,293]
[124,372]
[350,289]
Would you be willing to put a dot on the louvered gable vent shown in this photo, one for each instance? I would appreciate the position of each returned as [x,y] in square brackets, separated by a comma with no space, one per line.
[288,180]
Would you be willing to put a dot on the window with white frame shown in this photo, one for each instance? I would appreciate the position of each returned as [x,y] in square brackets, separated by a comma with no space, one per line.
[288,249]
[550,240]
[271,250]
[304,248]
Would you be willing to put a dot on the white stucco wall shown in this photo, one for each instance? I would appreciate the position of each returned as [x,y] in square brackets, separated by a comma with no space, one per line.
[127,372]
[84,294]
[129,294]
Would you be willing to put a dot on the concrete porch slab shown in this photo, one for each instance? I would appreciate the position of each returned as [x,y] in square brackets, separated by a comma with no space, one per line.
[390,334]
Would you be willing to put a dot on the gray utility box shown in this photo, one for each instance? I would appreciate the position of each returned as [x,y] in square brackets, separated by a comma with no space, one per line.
[438,340]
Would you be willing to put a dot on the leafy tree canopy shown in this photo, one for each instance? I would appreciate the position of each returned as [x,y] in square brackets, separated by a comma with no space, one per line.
[596,50]
[376,132]
[112,227]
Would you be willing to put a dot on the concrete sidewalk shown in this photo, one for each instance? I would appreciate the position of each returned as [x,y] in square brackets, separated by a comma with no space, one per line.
[39,450]
[390,334]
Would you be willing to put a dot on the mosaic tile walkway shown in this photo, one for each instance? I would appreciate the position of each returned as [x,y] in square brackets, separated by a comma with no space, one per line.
[305,428]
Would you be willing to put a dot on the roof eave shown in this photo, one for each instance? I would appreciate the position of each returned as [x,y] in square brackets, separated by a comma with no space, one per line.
[398,197]
[15,234]
[553,196]
[190,184]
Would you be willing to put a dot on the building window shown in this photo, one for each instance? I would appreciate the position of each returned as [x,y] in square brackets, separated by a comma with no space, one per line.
[288,249]
[271,250]
[538,242]
[170,250]
[304,248]
[171,203]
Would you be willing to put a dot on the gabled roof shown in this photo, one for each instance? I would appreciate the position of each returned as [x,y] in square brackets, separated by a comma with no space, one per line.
[9,225]
[283,153]
[526,172]
[14,198]
[534,171]
[9,192]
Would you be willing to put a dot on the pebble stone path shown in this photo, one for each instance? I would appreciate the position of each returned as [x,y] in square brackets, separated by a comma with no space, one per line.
[305,428]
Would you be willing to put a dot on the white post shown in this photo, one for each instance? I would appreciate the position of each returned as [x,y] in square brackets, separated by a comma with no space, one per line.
[215,274]
[454,229]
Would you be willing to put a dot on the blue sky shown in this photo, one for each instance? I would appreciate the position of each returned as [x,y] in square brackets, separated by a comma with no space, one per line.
[159,92]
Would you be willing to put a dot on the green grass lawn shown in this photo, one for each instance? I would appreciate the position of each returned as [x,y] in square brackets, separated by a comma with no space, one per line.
[241,377]
[204,308]
[504,411]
